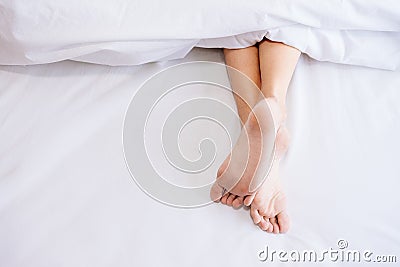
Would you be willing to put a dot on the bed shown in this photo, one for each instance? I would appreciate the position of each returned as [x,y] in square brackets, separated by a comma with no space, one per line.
[67,197]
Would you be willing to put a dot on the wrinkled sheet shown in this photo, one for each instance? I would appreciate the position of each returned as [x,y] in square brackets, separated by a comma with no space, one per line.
[67,199]
[125,32]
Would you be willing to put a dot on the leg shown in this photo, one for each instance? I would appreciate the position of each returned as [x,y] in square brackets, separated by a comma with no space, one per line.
[277,64]
[276,75]
[245,60]
[246,156]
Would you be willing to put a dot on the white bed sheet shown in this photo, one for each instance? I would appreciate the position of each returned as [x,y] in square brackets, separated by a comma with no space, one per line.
[67,199]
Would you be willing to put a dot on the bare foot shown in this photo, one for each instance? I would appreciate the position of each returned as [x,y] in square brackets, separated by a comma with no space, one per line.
[268,204]
[250,161]
[267,200]
[248,164]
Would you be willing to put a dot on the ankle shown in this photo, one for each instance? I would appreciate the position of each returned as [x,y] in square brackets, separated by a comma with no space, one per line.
[278,98]
[261,116]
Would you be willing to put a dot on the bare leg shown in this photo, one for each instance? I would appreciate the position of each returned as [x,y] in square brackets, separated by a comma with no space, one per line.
[245,60]
[277,63]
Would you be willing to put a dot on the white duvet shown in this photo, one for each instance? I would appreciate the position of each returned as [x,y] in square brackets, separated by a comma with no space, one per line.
[126,32]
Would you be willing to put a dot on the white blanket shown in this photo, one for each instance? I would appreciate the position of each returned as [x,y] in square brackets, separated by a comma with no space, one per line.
[124,32]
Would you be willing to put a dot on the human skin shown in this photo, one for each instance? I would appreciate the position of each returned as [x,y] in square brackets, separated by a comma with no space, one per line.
[270,66]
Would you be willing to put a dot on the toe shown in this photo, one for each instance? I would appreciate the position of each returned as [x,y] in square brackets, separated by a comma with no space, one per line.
[225,198]
[216,192]
[283,221]
[274,223]
[230,199]
[255,215]
[238,202]
[264,224]
[270,228]
[248,200]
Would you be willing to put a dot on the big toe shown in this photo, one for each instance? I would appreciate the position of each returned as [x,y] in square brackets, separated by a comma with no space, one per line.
[248,200]
[216,192]
[274,223]
[283,221]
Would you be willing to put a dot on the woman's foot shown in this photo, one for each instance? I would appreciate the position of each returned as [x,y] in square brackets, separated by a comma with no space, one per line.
[254,148]
[268,206]
[249,162]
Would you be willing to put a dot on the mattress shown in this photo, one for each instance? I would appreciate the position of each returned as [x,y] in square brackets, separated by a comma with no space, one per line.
[68,199]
